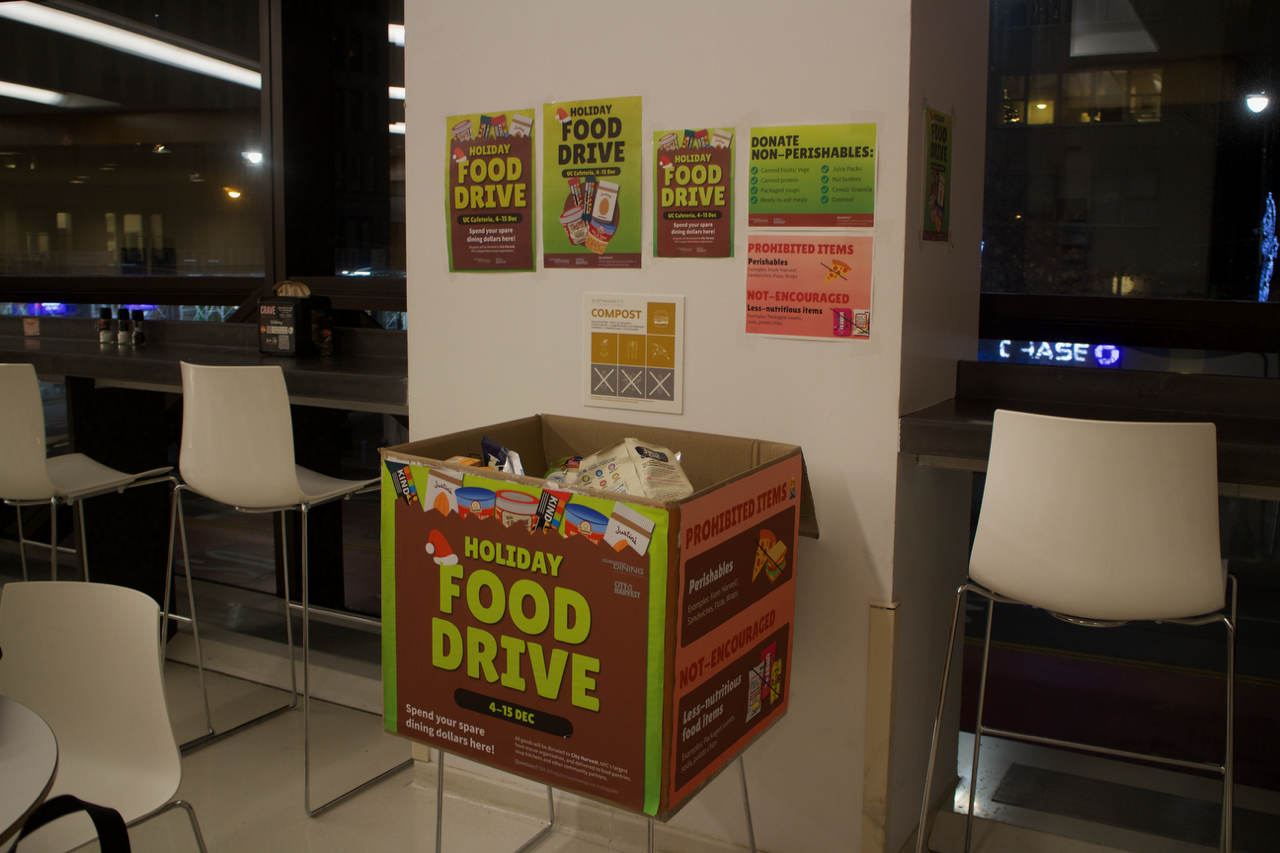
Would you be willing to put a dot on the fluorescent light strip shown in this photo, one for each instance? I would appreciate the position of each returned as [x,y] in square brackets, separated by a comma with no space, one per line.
[396,92]
[398,127]
[395,34]
[30,93]
[127,42]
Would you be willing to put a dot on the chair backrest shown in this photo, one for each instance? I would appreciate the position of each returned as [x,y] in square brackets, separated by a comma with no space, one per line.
[86,658]
[1101,520]
[237,436]
[23,475]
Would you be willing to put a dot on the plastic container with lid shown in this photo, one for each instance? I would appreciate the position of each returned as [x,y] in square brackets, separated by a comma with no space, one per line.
[574,225]
[475,502]
[580,520]
[517,509]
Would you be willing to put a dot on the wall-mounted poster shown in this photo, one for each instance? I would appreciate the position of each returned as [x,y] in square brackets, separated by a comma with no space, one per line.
[490,186]
[591,203]
[937,177]
[693,193]
[635,352]
[815,176]
[809,285]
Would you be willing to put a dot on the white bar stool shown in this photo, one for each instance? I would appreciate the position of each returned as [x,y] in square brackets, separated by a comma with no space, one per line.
[1131,535]
[237,449]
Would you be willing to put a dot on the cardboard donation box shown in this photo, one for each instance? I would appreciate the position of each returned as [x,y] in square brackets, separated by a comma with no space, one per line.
[619,647]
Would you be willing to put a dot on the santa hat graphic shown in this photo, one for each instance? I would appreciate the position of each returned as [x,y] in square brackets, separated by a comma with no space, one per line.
[440,550]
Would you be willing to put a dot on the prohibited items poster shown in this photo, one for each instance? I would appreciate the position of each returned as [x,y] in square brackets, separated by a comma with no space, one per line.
[693,193]
[591,200]
[490,191]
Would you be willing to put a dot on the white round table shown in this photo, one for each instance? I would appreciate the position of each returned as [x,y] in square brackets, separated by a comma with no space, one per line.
[28,764]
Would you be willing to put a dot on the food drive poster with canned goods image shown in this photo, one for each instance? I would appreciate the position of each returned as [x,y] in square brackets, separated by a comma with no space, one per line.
[528,629]
[591,190]
[693,193]
[490,184]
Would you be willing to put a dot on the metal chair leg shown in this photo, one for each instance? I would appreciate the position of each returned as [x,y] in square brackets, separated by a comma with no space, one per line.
[84,542]
[191,816]
[181,519]
[746,805]
[53,539]
[977,729]
[937,721]
[22,542]
[1228,763]
[306,697]
[649,845]
[288,614]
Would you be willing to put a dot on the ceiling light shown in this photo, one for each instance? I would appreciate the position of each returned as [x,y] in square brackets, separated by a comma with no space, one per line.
[127,41]
[1257,103]
[47,97]
[396,92]
[159,149]
[232,193]
[254,157]
[395,34]
[398,127]
[1041,106]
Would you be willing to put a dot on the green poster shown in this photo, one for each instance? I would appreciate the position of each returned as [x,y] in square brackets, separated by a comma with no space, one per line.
[937,176]
[489,180]
[812,176]
[591,190]
[693,193]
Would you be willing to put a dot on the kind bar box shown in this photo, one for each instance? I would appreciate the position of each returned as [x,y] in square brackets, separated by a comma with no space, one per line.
[290,325]
[623,648]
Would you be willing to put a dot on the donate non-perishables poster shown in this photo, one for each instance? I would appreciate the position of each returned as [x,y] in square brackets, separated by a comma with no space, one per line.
[490,192]
[809,285]
[522,628]
[591,193]
[812,176]
[693,193]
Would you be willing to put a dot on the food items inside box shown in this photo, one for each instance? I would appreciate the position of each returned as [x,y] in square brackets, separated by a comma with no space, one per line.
[635,467]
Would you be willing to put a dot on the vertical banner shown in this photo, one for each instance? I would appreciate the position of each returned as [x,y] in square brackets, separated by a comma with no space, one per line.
[815,176]
[809,285]
[937,177]
[490,185]
[693,193]
[591,199]
[636,352]
[734,620]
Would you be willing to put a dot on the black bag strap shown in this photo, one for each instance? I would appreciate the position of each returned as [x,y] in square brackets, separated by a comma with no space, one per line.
[113,837]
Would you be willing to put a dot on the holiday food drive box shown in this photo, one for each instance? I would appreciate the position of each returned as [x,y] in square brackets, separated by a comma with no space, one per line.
[623,648]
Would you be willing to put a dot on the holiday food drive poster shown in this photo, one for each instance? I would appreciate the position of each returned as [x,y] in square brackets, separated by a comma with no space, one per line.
[519,619]
[490,191]
[812,176]
[591,176]
[693,193]
[809,284]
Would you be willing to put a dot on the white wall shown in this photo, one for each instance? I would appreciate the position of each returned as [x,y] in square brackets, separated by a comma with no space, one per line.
[487,348]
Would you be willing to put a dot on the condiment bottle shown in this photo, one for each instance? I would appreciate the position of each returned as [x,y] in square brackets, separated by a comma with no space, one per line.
[139,338]
[103,326]
[123,336]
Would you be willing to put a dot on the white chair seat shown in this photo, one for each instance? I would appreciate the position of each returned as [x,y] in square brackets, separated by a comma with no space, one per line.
[319,487]
[76,475]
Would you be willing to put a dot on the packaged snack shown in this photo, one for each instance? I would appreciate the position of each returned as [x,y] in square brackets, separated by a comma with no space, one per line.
[521,125]
[517,509]
[598,237]
[462,131]
[402,479]
[464,460]
[636,468]
[441,493]
[668,142]
[628,528]
[574,225]
[580,520]
[721,138]
[475,502]
[500,458]
[550,511]
[564,470]
[606,203]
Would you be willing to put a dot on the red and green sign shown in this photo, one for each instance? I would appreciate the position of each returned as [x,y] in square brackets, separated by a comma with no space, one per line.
[490,192]
[693,193]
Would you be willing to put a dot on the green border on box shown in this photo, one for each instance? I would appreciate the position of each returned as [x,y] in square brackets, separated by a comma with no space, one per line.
[390,720]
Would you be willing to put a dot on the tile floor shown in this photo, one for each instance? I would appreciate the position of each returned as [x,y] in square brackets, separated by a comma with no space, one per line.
[248,790]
